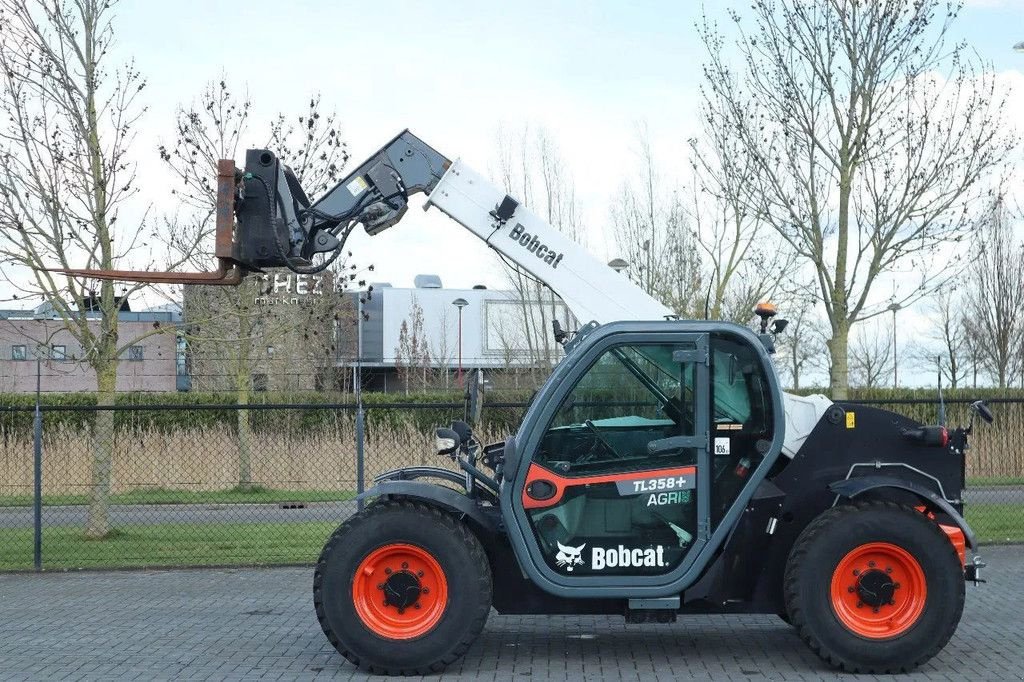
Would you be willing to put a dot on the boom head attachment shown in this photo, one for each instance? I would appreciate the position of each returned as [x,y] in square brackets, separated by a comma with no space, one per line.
[277,224]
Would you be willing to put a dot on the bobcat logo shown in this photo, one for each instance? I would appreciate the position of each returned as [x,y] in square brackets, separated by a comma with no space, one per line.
[568,557]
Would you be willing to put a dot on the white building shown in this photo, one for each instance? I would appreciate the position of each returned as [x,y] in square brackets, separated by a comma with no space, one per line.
[501,330]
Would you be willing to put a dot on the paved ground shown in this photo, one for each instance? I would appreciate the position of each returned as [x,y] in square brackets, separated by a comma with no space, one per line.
[148,514]
[259,624]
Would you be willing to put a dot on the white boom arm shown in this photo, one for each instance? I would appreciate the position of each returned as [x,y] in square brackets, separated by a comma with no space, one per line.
[591,289]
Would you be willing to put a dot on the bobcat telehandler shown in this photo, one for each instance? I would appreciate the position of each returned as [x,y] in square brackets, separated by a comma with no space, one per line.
[660,469]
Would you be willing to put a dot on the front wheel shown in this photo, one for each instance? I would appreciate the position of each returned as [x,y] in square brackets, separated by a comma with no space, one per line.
[874,587]
[402,588]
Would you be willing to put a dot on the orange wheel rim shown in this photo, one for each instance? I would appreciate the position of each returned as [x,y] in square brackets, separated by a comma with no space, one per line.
[878,590]
[400,591]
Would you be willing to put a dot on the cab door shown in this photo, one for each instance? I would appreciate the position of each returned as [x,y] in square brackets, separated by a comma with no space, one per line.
[635,456]
[617,484]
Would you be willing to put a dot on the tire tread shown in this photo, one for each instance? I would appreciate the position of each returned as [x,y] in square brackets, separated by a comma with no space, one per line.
[791,589]
[431,515]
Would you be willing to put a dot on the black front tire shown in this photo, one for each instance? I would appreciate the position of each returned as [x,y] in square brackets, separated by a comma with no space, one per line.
[811,602]
[452,545]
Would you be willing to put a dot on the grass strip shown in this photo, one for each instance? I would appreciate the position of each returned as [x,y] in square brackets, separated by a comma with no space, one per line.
[253,495]
[241,544]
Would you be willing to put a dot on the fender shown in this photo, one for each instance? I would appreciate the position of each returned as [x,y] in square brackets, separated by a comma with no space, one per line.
[852,487]
[410,473]
[488,518]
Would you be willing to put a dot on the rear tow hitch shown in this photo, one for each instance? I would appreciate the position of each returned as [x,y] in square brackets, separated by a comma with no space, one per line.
[972,572]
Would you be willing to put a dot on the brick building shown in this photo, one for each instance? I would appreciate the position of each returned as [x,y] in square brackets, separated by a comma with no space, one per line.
[153,364]
[274,332]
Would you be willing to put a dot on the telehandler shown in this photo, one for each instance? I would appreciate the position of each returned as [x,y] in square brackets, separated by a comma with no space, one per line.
[659,470]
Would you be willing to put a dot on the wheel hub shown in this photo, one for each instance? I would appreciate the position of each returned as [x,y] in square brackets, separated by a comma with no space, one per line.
[399,591]
[864,586]
[402,589]
[875,588]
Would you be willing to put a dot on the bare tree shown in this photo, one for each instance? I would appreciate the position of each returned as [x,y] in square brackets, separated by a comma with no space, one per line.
[208,130]
[311,144]
[973,347]
[744,260]
[412,355]
[996,294]
[238,325]
[69,116]
[949,329]
[867,160]
[654,237]
[871,356]
[441,349]
[800,345]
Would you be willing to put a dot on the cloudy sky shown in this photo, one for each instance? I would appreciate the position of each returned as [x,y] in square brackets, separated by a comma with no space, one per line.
[454,72]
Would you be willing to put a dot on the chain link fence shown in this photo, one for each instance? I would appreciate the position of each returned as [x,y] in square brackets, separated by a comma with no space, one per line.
[266,484]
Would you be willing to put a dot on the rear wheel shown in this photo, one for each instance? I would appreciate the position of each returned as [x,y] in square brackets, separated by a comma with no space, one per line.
[874,587]
[402,588]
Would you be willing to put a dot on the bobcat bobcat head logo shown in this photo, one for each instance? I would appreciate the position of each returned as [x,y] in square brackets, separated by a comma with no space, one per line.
[568,557]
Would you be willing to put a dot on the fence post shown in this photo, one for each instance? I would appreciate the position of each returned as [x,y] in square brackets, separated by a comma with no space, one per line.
[37,477]
[360,426]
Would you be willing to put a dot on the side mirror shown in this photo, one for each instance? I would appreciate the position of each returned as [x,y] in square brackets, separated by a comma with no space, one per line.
[779,326]
[983,411]
[446,441]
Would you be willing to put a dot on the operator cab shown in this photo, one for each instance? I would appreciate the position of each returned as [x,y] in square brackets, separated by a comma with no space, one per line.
[645,440]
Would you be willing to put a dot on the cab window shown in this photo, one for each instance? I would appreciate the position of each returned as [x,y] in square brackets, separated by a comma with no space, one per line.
[632,395]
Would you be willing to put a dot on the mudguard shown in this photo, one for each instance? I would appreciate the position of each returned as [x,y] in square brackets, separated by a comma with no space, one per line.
[410,473]
[852,487]
[439,496]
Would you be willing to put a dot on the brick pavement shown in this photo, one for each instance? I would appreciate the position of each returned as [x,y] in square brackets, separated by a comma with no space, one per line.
[244,624]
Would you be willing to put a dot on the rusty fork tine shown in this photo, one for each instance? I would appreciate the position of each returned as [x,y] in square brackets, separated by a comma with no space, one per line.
[228,272]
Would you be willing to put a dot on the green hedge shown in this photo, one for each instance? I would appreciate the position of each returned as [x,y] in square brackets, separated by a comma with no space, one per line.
[384,411]
[883,394]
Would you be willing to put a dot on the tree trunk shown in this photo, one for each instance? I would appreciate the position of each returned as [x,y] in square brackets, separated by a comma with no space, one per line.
[98,523]
[244,440]
[838,345]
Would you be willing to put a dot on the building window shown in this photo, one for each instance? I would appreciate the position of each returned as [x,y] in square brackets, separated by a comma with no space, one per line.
[58,353]
[19,353]
[135,353]
[181,356]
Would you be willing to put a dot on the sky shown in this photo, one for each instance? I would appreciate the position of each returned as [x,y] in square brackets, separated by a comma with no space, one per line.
[454,72]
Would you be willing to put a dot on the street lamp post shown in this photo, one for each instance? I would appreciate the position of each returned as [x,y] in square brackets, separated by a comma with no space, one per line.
[895,361]
[460,303]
